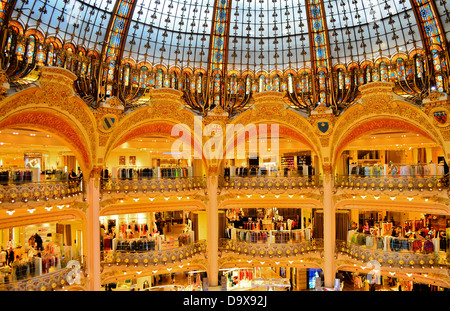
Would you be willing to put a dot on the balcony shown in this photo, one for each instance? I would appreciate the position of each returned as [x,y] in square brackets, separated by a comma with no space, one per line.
[135,187]
[16,193]
[135,258]
[270,243]
[271,184]
[56,280]
[406,185]
[399,253]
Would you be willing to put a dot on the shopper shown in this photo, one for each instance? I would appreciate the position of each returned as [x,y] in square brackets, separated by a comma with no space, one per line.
[367,228]
[80,174]
[38,240]
[10,258]
[72,175]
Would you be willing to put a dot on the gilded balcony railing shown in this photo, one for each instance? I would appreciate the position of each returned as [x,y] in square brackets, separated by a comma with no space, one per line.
[271,182]
[156,257]
[55,280]
[400,258]
[396,182]
[35,191]
[50,281]
[153,185]
[266,249]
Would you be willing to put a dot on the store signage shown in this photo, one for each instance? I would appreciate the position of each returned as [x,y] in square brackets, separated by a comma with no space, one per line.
[263,141]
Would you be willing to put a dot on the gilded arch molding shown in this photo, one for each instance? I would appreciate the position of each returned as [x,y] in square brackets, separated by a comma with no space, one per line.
[165,110]
[54,99]
[379,108]
[269,108]
[58,126]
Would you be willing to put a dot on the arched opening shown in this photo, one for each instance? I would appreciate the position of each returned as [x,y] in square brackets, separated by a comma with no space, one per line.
[29,155]
[152,148]
[55,125]
[388,150]
[266,169]
[39,227]
[392,163]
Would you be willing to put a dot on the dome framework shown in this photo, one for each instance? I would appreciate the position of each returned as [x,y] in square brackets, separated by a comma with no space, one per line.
[222,52]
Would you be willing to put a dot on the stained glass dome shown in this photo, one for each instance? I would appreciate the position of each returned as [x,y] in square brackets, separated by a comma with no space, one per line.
[221,52]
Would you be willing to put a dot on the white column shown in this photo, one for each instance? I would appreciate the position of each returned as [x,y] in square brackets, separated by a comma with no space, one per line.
[93,233]
[212,231]
[329,228]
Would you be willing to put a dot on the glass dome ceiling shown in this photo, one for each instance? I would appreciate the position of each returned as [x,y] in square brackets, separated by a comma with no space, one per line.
[218,39]
[262,35]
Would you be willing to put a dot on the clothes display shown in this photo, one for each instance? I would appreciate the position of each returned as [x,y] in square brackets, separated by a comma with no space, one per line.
[390,243]
[49,261]
[238,278]
[396,170]
[4,177]
[16,176]
[142,245]
[241,171]
[252,236]
[258,171]
[23,269]
[22,176]
[148,173]
[179,172]
[252,225]
[268,236]
[413,225]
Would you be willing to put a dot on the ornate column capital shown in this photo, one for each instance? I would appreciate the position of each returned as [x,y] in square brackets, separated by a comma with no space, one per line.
[327,172]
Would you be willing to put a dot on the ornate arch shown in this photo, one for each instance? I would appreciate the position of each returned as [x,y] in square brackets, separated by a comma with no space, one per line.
[39,116]
[162,128]
[53,107]
[380,108]
[165,111]
[50,122]
[270,108]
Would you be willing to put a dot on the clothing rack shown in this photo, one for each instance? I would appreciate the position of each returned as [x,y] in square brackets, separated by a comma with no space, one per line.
[268,236]
[134,172]
[19,175]
[396,169]
[395,244]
